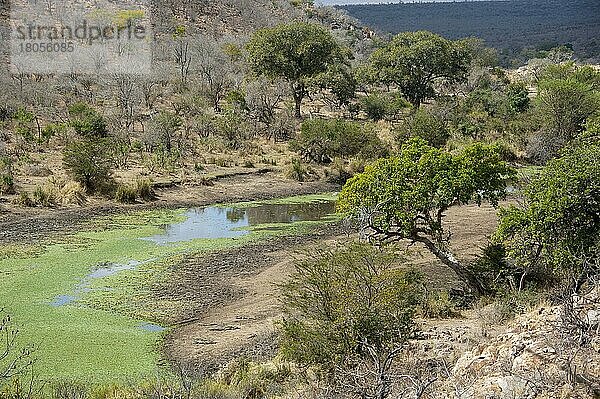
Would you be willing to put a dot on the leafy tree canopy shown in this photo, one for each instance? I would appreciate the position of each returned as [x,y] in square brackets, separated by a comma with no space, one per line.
[405,196]
[296,52]
[414,61]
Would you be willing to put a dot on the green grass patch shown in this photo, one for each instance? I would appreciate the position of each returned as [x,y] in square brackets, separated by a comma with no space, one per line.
[98,337]
[299,199]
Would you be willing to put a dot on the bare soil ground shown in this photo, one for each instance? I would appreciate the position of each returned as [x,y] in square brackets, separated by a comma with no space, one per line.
[236,291]
[235,300]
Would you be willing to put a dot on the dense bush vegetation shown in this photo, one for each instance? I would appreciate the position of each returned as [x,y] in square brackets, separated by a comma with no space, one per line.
[348,305]
[321,140]
[88,163]
[423,124]
[556,230]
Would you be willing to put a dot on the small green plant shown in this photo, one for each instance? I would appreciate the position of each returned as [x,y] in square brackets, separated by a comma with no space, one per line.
[24,199]
[143,189]
[51,130]
[125,194]
[248,164]
[43,196]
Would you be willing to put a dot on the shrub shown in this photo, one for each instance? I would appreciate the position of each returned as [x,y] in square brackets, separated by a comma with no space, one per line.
[7,183]
[425,125]
[162,131]
[25,124]
[342,304]
[381,106]
[43,196]
[340,171]
[87,121]
[518,97]
[65,191]
[72,193]
[125,194]
[143,189]
[232,128]
[322,140]
[51,130]
[438,305]
[87,163]
[297,171]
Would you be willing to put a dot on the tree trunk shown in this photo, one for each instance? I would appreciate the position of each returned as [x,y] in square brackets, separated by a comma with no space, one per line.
[449,260]
[298,93]
[297,112]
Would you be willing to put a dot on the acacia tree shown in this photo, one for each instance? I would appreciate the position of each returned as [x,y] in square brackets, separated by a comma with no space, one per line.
[295,52]
[415,61]
[557,228]
[405,196]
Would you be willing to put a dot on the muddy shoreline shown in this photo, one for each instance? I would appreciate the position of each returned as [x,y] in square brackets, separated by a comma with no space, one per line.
[29,225]
[226,308]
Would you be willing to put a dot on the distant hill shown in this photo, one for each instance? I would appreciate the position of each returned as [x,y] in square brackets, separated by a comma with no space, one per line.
[517,28]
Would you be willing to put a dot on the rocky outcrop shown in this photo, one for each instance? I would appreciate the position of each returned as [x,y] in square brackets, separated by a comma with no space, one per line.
[552,352]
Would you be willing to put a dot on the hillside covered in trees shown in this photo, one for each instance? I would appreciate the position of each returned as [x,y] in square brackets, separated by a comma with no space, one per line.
[518,29]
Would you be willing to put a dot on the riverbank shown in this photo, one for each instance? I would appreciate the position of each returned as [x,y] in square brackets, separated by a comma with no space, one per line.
[28,225]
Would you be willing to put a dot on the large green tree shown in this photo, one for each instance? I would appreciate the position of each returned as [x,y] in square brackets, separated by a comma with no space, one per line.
[405,196]
[295,52]
[415,61]
[557,228]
